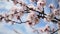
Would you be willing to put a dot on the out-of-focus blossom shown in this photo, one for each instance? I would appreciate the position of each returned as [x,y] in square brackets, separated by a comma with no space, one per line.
[49,17]
[32,6]
[41,4]
[47,29]
[32,17]
[51,6]
[56,12]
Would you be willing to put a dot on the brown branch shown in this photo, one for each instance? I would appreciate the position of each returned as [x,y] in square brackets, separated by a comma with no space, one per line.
[16,31]
[55,31]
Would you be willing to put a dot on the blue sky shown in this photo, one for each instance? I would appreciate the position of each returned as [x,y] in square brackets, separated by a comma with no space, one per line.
[8,28]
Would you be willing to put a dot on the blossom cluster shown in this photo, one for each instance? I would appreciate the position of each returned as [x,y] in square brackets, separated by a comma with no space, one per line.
[35,14]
